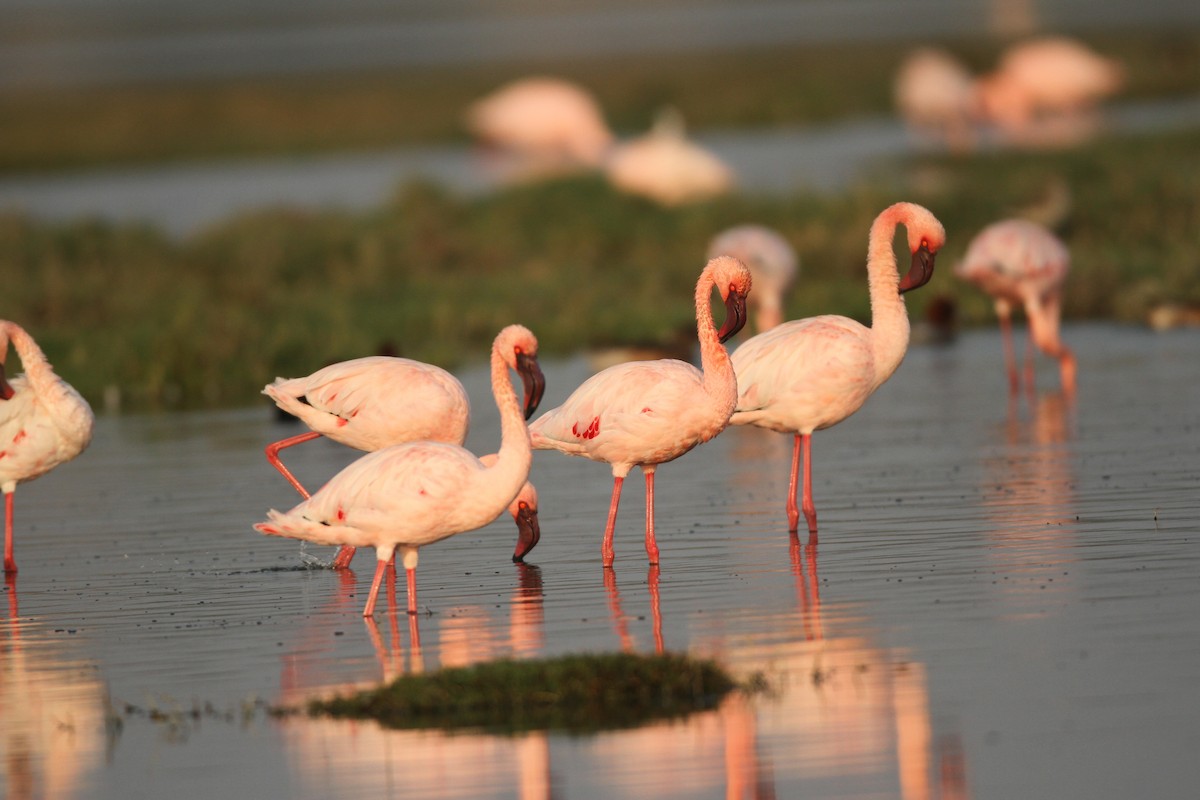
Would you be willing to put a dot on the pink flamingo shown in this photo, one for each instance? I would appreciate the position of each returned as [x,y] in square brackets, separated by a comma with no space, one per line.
[543,118]
[1020,262]
[810,374]
[371,403]
[666,167]
[412,494]
[772,262]
[646,413]
[936,95]
[44,422]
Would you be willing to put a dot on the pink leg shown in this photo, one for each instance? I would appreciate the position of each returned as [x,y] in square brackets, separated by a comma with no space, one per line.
[412,591]
[380,568]
[651,544]
[345,555]
[1029,379]
[10,563]
[1010,358]
[806,503]
[656,609]
[273,456]
[607,554]
[793,511]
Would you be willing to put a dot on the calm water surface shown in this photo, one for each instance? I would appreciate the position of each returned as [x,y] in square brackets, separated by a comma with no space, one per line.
[1004,602]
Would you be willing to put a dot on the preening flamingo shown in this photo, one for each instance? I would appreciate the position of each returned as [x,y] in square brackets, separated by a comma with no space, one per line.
[371,403]
[810,374]
[646,413]
[667,168]
[772,262]
[44,422]
[1020,262]
[408,495]
[546,119]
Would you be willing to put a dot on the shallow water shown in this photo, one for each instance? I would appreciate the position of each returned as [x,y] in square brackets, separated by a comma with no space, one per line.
[1004,602]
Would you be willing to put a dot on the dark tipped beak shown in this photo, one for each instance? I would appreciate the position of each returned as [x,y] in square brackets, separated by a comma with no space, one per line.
[535,382]
[920,272]
[528,531]
[735,315]
[6,390]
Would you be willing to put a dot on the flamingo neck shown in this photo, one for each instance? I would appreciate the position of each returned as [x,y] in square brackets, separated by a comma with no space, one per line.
[510,469]
[37,369]
[720,384]
[889,316]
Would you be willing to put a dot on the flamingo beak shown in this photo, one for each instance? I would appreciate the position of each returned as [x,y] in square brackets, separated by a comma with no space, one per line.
[528,531]
[920,272]
[735,315]
[534,380]
[6,390]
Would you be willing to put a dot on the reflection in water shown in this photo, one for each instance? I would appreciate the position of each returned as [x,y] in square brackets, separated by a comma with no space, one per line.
[52,714]
[1029,495]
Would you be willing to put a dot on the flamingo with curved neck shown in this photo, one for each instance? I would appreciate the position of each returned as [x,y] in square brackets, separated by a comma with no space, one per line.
[44,422]
[810,374]
[412,494]
[646,413]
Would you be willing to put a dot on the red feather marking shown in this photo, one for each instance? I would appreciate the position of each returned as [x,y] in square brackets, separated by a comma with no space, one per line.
[342,421]
[341,513]
[20,435]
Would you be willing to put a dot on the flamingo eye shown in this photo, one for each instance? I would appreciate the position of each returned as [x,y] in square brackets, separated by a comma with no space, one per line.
[518,350]
[523,505]
[925,243]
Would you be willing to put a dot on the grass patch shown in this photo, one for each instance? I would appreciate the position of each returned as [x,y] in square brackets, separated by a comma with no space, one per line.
[575,693]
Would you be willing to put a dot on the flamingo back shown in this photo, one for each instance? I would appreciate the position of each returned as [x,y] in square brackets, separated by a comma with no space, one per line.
[41,430]
[1014,260]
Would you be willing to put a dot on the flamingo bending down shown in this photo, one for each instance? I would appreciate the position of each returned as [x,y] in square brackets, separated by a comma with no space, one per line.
[371,403]
[665,166]
[645,413]
[810,374]
[43,423]
[1020,262]
[415,493]
[772,262]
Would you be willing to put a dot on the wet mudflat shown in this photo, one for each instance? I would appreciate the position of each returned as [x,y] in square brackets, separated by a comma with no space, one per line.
[1004,602]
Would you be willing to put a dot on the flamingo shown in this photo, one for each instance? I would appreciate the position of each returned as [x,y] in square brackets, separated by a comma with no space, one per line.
[1020,262]
[810,374]
[415,493]
[936,95]
[667,168]
[44,422]
[371,403]
[543,118]
[646,413]
[772,262]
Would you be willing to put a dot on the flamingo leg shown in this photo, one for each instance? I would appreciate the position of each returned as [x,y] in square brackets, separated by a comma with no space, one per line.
[793,511]
[1010,358]
[656,609]
[1029,374]
[10,563]
[380,568]
[412,590]
[607,554]
[806,502]
[651,544]
[273,456]
[345,555]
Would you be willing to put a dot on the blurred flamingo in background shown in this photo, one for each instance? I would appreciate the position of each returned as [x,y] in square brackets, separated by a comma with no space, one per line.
[810,374]
[374,402]
[1051,79]
[408,495]
[667,168]
[44,422]
[646,413]
[549,121]
[1020,262]
[936,96]
[772,262]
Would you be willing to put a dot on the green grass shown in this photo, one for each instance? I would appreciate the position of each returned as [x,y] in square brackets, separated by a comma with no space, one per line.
[71,128]
[575,693]
[207,321]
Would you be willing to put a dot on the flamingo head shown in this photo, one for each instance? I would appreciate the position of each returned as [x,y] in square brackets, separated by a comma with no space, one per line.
[925,238]
[518,347]
[732,279]
[524,510]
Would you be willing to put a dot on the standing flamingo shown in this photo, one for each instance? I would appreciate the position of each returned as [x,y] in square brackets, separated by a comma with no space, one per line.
[772,262]
[415,493]
[43,423]
[371,403]
[1020,262]
[810,374]
[645,413]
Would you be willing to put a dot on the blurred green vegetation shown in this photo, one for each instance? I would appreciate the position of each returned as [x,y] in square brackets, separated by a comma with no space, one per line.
[69,128]
[209,320]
